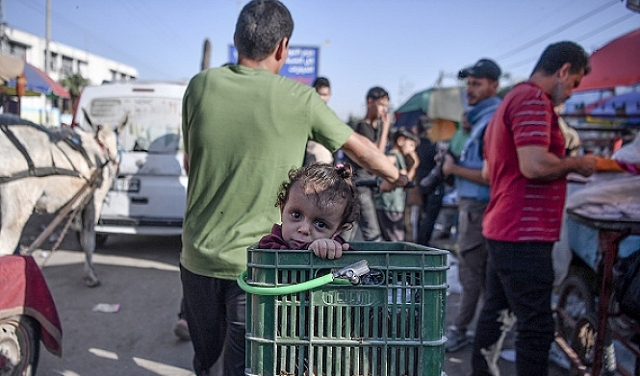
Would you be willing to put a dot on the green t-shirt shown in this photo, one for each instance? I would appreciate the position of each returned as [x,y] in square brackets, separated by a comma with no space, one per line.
[243,130]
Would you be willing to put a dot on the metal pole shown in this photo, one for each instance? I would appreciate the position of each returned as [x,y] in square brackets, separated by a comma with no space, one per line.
[3,37]
[47,58]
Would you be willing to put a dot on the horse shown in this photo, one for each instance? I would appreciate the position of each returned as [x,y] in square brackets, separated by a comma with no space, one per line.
[43,169]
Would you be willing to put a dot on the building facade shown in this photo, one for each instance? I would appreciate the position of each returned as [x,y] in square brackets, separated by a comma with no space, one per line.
[64,62]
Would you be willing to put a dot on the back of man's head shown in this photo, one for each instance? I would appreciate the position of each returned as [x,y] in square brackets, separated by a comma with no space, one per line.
[261,26]
[376,93]
[321,82]
[558,54]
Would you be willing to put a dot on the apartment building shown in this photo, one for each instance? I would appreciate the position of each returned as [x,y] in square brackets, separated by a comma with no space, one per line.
[65,61]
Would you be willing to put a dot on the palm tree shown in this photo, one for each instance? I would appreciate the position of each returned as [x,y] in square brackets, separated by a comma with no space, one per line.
[74,84]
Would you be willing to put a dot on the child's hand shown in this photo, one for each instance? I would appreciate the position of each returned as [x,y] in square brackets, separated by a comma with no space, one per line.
[328,248]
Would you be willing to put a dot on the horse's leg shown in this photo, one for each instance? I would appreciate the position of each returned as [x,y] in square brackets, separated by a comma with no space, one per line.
[88,243]
[17,200]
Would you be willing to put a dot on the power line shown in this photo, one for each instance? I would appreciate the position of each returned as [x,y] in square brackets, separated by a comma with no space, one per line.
[578,39]
[604,27]
[557,30]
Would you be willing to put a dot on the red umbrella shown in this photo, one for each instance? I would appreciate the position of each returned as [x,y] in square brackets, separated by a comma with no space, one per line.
[615,64]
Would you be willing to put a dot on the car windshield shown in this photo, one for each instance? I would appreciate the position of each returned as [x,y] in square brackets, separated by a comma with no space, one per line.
[152,124]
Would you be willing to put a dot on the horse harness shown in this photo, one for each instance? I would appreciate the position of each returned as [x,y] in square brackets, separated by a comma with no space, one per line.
[68,137]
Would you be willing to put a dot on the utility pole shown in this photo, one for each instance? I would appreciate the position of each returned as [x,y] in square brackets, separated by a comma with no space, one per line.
[47,51]
[3,37]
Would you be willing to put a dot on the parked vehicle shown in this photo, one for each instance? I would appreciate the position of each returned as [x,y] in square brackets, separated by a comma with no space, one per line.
[149,194]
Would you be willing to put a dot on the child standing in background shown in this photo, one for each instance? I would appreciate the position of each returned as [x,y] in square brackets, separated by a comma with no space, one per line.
[316,204]
[390,205]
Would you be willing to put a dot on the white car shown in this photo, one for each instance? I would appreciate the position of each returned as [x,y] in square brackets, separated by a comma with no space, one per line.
[148,196]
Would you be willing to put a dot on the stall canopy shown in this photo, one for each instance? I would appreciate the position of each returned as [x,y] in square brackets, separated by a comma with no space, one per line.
[615,64]
[444,106]
[39,82]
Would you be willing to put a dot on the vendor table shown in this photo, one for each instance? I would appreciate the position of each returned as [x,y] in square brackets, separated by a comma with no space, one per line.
[610,233]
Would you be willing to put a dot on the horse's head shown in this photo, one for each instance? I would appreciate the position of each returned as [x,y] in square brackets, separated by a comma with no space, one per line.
[106,136]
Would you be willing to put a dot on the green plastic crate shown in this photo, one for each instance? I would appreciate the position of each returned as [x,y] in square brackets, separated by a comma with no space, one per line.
[391,324]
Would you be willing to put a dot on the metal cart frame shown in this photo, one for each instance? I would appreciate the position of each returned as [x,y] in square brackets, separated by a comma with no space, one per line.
[610,234]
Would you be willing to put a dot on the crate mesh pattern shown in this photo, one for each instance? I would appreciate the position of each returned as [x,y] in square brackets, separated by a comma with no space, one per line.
[390,324]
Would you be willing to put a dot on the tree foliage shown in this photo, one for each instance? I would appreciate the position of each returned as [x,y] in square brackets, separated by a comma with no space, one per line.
[74,85]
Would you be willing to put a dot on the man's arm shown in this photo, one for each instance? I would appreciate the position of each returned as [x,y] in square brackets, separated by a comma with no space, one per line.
[537,163]
[366,154]
[449,167]
[384,133]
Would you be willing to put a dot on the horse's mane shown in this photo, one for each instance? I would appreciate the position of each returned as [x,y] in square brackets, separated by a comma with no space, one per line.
[55,135]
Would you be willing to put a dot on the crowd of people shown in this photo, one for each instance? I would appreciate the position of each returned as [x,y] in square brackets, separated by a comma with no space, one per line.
[508,160]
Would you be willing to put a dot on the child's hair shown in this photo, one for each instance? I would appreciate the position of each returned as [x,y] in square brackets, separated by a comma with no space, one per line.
[329,183]
[404,132]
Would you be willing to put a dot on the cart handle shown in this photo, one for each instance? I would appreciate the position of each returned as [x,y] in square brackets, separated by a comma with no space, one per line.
[349,274]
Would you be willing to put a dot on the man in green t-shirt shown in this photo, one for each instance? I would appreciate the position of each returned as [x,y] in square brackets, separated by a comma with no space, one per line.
[244,128]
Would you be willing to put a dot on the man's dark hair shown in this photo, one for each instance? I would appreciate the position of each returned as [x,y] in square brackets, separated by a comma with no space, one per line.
[557,54]
[376,93]
[261,26]
[321,82]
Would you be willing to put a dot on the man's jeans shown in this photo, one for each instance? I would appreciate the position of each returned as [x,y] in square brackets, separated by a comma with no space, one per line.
[215,311]
[519,279]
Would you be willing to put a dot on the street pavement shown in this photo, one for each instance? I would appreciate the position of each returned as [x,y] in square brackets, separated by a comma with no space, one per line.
[141,275]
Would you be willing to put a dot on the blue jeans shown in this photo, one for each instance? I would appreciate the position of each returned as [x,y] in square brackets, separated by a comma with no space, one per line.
[519,279]
[215,310]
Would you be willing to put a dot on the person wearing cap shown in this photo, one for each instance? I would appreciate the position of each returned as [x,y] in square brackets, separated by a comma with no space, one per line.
[473,192]
[390,205]
[525,162]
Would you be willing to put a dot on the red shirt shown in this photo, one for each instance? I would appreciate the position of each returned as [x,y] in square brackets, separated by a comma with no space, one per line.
[520,209]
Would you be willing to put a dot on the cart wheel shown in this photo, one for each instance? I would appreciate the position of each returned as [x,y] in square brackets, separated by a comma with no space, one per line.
[576,300]
[19,346]
[584,339]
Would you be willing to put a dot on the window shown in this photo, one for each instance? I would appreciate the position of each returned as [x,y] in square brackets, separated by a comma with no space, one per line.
[67,66]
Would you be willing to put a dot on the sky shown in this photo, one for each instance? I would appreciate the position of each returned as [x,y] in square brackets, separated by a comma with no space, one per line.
[403,46]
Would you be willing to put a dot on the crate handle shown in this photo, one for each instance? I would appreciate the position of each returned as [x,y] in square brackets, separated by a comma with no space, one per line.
[353,272]
[350,274]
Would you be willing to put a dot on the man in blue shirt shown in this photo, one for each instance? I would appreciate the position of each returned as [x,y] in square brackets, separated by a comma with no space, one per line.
[473,191]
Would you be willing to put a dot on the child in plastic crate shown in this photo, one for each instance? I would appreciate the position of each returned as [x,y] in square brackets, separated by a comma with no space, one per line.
[316,204]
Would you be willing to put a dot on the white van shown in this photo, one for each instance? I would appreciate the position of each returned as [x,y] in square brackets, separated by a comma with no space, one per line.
[148,196]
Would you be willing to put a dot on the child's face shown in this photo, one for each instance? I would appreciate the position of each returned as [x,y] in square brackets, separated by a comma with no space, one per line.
[406,145]
[305,220]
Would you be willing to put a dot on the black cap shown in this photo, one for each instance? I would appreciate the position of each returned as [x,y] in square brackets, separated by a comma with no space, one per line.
[484,68]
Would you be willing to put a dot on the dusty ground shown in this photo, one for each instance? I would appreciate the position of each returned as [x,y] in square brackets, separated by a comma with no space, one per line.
[141,274]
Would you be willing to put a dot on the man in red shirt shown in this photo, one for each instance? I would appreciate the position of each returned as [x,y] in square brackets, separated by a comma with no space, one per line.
[526,166]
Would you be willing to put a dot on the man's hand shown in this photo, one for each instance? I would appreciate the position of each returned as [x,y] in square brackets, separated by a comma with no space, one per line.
[448,165]
[328,248]
[386,120]
[587,165]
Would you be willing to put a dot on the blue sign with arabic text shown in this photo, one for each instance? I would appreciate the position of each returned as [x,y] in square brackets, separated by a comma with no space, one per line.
[301,64]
